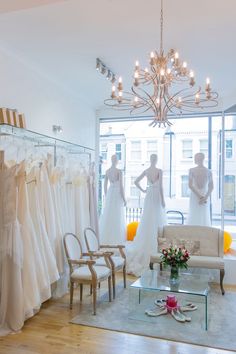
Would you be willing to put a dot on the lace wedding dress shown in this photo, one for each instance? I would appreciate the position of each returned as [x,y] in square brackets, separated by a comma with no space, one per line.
[112,227]
[145,241]
[199,214]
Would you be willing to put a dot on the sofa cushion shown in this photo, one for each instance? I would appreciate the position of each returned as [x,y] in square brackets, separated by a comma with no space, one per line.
[192,246]
[197,261]
[208,237]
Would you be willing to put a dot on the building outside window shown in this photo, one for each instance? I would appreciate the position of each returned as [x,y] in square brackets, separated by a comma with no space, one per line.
[228,148]
[203,144]
[118,151]
[185,192]
[104,152]
[135,152]
[151,148]
[134,191]
[187,149]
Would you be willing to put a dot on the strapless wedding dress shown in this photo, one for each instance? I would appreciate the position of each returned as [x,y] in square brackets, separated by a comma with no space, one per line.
[112,228]
[145,241]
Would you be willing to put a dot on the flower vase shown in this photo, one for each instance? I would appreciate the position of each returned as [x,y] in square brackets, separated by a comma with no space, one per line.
[174,275]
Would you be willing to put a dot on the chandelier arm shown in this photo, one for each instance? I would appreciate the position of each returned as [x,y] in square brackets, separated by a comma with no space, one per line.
[142,98]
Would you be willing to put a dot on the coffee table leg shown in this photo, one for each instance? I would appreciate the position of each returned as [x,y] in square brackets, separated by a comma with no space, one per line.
[206,324]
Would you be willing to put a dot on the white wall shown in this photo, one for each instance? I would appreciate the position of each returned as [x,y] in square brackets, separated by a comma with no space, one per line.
[44,102]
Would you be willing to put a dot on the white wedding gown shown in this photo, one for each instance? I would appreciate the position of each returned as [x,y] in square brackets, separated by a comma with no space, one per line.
[199,214]
[145,241]
[112,228]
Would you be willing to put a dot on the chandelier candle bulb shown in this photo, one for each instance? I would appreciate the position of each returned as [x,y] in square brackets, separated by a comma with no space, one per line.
[192,81]
[152,56]
[120,86]
[113,92]
[208,88]
[136,65]
[120,96]
[176,59]
[197,98]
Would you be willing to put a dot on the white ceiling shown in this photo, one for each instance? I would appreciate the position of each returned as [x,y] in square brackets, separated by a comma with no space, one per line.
[63,38]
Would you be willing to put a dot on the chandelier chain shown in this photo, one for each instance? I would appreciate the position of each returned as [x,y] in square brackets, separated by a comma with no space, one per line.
[161,28]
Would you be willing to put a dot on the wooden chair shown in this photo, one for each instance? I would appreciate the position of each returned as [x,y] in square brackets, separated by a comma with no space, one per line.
[117,262]
[85,271]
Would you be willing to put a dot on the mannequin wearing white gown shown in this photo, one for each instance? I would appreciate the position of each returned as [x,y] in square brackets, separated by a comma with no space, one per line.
[153,217]
[112,228]
[201,186]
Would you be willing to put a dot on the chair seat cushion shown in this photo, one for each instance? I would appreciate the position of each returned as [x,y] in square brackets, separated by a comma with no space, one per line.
[83,273]
[197,261]
[118,261]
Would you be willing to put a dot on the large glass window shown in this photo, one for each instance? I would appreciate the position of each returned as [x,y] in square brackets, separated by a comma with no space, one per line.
[184,187]
[118,151]
[203,147]
[151,148]
[104,151]
[187,149]
[134,191]
[135,153]
[228,148]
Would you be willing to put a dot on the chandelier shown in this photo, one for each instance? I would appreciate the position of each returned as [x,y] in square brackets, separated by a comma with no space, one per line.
[166,87]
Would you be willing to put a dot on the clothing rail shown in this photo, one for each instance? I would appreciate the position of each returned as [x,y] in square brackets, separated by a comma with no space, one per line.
[42,140]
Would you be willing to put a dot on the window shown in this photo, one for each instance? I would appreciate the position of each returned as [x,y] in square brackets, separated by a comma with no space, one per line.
[118,151]
[184,187]
[204,147]
[228,148]
[136,150]
[151,148]
[134,191]
[104,151]
[187,149]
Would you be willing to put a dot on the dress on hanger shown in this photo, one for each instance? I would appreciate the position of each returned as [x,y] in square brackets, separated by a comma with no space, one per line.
[145,241]
[199,214]
[49,260]
[35,281]
[112,226]
[11,255]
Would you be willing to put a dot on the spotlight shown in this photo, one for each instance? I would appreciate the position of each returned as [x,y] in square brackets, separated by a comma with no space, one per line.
[109,75]
[57,129]
[98,64]
[113,79]
[103,70]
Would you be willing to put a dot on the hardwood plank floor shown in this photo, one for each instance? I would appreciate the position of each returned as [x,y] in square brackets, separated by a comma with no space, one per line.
[49,332]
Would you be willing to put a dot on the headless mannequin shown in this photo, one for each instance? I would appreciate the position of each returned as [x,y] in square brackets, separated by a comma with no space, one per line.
[113,174]
[200,172]
[153,174]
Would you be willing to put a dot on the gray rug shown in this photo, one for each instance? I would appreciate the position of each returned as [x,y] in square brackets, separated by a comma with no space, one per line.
[125,314]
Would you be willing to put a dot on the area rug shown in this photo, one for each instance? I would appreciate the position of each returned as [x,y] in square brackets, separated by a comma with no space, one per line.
[125,314]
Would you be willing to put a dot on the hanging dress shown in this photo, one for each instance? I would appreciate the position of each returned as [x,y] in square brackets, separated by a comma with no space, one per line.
[145,242]
[49,260]
[12,314]
[199,214]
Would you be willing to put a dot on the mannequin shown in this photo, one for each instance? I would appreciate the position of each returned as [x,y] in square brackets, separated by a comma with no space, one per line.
[112,221]
[145,241]
[201,186]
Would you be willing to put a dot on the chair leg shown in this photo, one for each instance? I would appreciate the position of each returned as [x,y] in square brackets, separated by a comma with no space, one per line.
[222,274]
[109,288]
[81,292]
[124,275]
[71,294]
[114,283]
[91,289]
[94,298]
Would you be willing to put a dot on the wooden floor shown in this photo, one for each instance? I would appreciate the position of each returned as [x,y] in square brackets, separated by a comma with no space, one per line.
[49,332]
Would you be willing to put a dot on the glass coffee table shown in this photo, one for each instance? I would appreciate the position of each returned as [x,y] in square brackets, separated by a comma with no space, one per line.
[158,281]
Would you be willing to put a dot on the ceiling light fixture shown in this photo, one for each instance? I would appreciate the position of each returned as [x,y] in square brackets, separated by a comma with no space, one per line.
[157,88]
[104,70]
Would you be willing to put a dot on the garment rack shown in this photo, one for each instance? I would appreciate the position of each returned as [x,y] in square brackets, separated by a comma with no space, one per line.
[42,140]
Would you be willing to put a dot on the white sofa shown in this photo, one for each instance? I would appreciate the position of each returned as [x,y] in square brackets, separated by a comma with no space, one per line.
[210,241]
